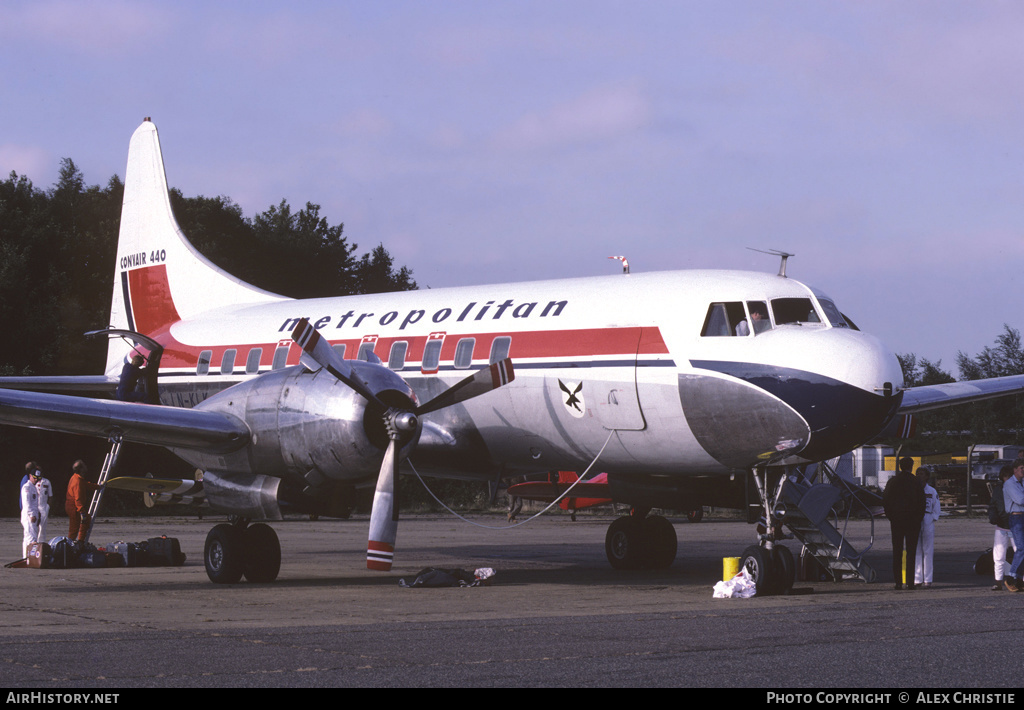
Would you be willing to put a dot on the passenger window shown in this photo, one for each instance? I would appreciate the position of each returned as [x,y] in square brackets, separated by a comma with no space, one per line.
[340,349]
[280,357]
[396,359]
[203,368]
[794,310]
[227,364]
[432,355]
[464,353]
[499,348]
[366,351]
[723,319]
[252,362]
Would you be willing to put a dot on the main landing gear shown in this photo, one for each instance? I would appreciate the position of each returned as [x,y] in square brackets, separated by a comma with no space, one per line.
[769,563]
[640,541]
[237,549]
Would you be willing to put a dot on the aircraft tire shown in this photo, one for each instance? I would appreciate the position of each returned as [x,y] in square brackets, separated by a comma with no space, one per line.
[660,542]
[758,564]
[623,544]
[224,554]
[785,567]
[262,553]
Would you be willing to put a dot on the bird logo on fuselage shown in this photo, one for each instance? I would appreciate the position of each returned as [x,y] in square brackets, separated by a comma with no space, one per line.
[573,399]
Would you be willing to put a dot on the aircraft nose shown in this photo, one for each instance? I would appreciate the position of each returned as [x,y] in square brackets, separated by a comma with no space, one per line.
[737,422]
[841,385]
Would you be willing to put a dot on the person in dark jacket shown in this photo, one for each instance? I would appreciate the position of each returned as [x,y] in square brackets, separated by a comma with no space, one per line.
[904,503]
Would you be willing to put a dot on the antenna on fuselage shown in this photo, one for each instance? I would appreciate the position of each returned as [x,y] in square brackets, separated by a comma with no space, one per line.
[625,263]
[784,255]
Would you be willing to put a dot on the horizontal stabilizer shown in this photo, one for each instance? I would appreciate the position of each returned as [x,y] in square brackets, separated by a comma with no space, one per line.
[168,486]
[85,385]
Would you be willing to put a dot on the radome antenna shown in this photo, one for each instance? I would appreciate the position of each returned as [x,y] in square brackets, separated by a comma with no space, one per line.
[783,254]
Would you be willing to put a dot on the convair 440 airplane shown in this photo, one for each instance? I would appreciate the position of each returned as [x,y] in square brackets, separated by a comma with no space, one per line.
[683,386]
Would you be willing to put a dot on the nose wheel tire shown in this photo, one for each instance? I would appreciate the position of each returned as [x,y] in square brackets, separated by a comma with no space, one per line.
[773,571]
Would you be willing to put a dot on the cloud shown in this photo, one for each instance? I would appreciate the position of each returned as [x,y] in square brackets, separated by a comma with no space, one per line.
[599,115]
[24,160]
[99,28]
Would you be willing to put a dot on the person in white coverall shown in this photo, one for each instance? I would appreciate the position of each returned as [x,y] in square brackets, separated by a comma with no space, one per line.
[45,490]
[29,512]
[924,565]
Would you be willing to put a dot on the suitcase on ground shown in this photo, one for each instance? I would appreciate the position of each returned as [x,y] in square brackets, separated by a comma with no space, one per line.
[64,553]
[133,555]
[114,559]
[39,555]
[92,558]
[164,552]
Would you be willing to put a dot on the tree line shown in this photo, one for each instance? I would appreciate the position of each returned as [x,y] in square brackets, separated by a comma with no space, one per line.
[57,250]
[57,253]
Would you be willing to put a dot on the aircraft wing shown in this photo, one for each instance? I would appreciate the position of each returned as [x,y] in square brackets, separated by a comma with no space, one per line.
[920,399]
[173,427]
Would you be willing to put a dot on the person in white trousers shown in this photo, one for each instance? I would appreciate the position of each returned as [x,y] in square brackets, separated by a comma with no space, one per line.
[29,513]
[924,566]
[1002,541]
[45,490]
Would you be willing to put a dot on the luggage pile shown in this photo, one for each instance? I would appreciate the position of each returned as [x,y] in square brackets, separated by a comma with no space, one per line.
[65,553]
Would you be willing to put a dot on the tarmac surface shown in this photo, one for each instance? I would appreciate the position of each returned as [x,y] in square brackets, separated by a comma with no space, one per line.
[556,615]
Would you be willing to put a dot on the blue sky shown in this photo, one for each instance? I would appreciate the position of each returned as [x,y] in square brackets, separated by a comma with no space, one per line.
[881,142]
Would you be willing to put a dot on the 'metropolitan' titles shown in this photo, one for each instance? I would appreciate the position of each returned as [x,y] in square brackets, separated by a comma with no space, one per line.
[473,311]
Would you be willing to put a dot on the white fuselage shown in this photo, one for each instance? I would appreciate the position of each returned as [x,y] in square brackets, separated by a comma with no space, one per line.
[626,355]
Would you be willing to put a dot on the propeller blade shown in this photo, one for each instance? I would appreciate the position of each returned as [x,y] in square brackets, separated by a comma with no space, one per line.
[315,347]
[380,552]
[481,382]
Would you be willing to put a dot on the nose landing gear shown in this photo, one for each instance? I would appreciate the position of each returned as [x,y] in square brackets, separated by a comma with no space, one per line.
[769,563]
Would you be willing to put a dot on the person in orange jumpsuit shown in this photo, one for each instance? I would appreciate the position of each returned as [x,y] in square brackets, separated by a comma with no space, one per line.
[76,503]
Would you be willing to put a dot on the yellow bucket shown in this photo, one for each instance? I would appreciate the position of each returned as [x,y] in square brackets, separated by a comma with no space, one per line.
[730,568]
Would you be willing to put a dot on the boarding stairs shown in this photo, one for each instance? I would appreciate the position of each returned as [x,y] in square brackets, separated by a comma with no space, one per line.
[818,510]
[109,463]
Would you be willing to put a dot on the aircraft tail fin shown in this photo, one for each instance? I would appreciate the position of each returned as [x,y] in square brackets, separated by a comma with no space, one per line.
[159,277]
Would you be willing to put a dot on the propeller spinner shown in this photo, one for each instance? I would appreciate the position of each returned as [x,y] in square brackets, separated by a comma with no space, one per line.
[398,422]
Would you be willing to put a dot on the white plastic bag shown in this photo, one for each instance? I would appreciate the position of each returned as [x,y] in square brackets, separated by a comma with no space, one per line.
[742,586]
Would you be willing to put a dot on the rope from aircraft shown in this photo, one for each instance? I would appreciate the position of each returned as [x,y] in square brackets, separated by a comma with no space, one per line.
[555,502]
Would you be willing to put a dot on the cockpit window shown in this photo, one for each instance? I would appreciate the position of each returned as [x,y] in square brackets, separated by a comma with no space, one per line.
[794,310]
[832,314]
[732,319]
[723,319]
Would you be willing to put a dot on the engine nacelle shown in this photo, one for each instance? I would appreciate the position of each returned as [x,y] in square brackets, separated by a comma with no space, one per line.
[309,426]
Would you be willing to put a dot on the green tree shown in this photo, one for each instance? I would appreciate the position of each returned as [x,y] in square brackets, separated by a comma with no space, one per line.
[375,273]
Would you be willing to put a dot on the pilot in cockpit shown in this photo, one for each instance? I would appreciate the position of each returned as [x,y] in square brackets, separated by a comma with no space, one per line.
[756,316]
